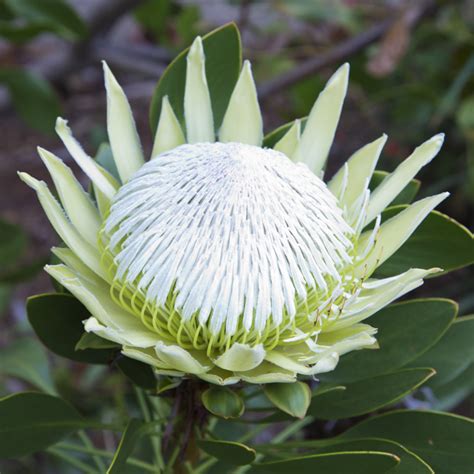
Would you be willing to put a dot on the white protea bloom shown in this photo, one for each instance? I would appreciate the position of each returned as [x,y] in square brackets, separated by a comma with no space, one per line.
[224,260]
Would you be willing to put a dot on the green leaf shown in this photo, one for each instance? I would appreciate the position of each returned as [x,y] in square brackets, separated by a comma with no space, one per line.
[338,463]
[56,15]
[105,158]
[57,320]
[277,417]
[272,138]
[12,243]
[368,395]
[443,440]
[26,359]
[223,402]
[229,452]
[137,372]
[223,63]
[33,98]
[452,354]
[439,241]
[167,383]
[407,194]
[131,435]
[89,340]
[405,331]
[449,395]
[30,422]
[292,398]
[410,463]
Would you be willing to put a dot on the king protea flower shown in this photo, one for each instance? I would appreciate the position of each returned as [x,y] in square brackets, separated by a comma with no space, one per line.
[224,260]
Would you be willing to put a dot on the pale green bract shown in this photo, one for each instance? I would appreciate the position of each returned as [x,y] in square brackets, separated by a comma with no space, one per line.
[222,259]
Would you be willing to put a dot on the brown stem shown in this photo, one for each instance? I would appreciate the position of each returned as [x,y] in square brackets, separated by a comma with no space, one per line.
[339,53]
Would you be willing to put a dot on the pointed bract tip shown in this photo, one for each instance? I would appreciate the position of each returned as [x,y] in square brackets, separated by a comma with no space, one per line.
[111,83]
[61,125]
[41,151]
[438,138]
[247,65]
[196,51]
[341,74]
[29,180]
[45,154]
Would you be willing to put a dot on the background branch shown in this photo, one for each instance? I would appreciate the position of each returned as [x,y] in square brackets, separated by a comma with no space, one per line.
[340,52]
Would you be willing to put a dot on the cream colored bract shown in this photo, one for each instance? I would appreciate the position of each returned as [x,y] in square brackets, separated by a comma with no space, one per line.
[222,259]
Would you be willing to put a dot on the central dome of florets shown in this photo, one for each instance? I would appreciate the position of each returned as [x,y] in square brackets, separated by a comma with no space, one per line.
[229,236]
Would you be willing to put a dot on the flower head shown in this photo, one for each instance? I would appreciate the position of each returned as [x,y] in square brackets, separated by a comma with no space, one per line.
[219,258]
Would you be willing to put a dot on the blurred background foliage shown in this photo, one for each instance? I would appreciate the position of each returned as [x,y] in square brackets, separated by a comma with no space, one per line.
[412,75]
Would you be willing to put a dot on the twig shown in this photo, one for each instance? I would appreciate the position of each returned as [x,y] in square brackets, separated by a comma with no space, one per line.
[106,454]
[171,423]
[338,54]
[127,59]
[88,444]
[72,461]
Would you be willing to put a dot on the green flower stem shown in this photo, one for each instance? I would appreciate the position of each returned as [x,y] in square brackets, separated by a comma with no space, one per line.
[147,416]
[291,429]
[83,467]
[159,416]
[106,454]
[252,433]
[88,444]
[173,457]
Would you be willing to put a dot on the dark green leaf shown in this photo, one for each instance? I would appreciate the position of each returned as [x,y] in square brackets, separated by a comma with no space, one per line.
[443,440]
[131,435]
[272,138]
[452,354]
[223,402]
[137,372]
[410,463]
[57,320]
[229,452]
[167,383]
[292,398]
[105,158]
[33,97]
[439,241]
[399,337]
[368,395]
[320,390]
[223,62]
[25,358]
[449,395]
[89,340]
[407,194]
[30,422]
[55,14]
[340,463]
